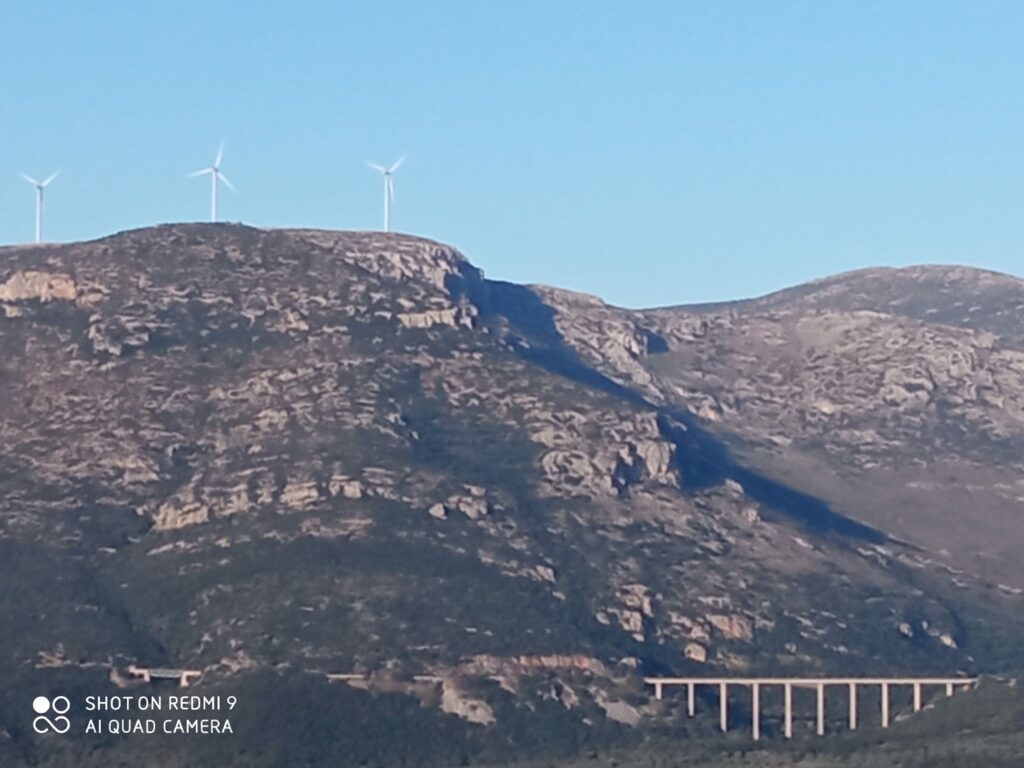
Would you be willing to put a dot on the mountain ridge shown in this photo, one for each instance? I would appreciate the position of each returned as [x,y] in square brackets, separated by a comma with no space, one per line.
[860,288]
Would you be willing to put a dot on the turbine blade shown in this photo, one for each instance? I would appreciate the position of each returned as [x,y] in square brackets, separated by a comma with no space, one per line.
[376,167]
[28,178]
[227,183]
[220,155]
[391,187]
[397,163]
[200,172]
[50,178]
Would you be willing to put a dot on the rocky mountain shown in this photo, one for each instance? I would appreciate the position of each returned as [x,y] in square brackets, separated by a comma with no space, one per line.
[893,395]
[348,471]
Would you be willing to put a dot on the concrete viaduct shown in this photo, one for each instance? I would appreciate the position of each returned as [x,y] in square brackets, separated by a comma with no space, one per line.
[852,684]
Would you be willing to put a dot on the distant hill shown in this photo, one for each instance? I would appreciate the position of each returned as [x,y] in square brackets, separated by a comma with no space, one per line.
[943,295]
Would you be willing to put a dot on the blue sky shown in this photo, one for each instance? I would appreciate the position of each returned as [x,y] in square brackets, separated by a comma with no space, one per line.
[649,152]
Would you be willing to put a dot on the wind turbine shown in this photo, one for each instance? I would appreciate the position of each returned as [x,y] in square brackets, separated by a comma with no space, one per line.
[389,187]
[215,176]
[40,186]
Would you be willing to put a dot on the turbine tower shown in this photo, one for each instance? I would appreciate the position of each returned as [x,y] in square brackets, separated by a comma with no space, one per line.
[40,186]
[389,187]
[215,176]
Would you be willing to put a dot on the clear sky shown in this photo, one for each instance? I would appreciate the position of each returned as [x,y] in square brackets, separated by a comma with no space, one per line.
[649,152]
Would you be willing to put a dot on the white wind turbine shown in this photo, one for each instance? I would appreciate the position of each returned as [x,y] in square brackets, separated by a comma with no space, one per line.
[215,176]
[40,186]
[389,187]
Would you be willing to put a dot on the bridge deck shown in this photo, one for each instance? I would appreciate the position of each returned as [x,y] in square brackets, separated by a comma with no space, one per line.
[810,681]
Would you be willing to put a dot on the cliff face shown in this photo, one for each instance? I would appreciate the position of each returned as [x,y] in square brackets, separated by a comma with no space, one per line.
[310,452]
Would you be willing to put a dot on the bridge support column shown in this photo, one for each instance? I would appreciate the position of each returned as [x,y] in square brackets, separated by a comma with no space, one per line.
[755,709]
[691,703]
[917,697]
[723,707]
[657,691]
[949,689]
[821,709]
[885,705]
[853,706]
[788,723]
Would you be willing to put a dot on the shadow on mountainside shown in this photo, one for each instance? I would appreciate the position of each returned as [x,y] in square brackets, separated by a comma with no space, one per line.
[702,459]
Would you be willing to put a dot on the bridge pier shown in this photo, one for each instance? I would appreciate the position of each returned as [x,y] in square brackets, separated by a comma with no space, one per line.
[853,706]
[885,705]
[821,709]
[788,725]
[691,703]
[917,697]
[723,707]
[755,709]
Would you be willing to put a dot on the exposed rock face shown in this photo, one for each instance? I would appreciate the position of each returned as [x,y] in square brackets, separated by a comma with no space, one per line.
[454,317]
[472,503]
[38,286]
[696,652]
[181,511]
[300,494]
[517,666]
[431,472]
[473,710]
[733,627]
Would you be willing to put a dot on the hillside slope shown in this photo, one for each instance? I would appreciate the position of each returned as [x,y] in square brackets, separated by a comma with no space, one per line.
[896,396]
